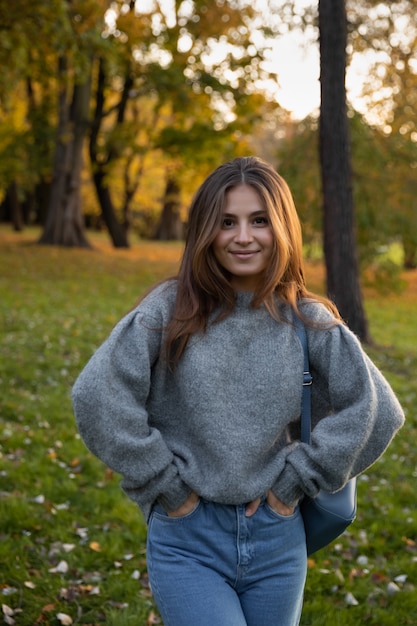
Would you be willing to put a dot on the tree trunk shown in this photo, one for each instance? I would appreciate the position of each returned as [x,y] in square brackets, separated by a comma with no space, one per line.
[343,285]
[410,254]
[15,208]
[64,223]
[117,231]
[170,226]
[41,201]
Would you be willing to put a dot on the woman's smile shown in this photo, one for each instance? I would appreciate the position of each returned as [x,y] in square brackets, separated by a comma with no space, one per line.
[243,255]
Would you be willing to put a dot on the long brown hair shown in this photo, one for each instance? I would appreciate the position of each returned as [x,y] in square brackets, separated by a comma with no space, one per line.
[203,285]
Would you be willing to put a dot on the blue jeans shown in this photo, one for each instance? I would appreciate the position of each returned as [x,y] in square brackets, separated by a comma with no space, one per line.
[215,566]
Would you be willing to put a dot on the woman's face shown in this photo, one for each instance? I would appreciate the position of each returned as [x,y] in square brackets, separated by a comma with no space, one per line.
[245,243]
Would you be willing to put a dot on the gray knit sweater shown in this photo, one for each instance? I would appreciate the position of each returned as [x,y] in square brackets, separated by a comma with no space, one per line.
[225,424]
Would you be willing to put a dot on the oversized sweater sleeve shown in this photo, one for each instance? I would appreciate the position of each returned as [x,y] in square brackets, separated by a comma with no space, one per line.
[355,416]
[110,399]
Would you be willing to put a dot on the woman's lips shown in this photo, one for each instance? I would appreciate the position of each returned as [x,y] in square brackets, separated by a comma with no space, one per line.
[243,255]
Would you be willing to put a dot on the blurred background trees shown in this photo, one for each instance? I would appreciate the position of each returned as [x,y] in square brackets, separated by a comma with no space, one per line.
[382,122]
[112,96]
[112,112]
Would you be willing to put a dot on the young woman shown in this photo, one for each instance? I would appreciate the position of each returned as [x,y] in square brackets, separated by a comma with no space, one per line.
[195,400]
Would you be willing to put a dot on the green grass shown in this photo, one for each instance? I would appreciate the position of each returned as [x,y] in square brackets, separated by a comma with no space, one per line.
[70,541]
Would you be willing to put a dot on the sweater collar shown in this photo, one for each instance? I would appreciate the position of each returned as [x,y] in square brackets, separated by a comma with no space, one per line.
[243,299]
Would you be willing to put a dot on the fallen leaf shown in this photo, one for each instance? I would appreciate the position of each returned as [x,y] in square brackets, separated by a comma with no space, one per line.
[82,532]
[109,474]
[94,545]
[61,568]
[409,542]
[8,615]
[92,577]
[153,619]
[356,573]
[62,507]
[378,578]
[362,560]
[63,594]
[393,588]
[7,610]
[66,620]
[29,584]
[351,600]
[8,591]
[67,547]
[402,578]
[118,605]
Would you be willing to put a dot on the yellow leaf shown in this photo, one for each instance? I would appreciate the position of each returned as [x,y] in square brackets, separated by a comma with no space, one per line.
[152,619]
[94,545]
[409,542]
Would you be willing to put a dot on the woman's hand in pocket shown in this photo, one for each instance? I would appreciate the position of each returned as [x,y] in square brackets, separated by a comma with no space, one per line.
[187,506]
[278,506]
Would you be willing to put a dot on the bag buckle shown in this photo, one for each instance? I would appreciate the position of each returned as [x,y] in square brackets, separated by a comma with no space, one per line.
[307,379]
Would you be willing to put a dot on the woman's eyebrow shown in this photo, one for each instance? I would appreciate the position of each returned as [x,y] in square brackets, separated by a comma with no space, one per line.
[254,214]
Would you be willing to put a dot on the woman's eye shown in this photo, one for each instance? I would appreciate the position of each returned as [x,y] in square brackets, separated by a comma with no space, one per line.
[227,222]
[261,221]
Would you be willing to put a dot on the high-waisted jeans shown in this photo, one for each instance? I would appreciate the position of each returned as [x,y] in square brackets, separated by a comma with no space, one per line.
[217,567]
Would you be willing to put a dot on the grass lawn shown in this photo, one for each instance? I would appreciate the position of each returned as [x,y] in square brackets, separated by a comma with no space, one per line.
[72,546]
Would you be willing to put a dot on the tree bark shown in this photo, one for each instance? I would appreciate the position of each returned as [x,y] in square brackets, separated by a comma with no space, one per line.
[343,285]
[15,207]
[170,226]
[64,223]
[117,231]
[410,254]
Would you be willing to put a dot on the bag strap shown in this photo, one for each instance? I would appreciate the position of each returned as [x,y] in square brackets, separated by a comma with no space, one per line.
[307,381]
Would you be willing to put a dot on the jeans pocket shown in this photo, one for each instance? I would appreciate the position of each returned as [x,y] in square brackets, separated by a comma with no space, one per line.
[159,513]
[279,516]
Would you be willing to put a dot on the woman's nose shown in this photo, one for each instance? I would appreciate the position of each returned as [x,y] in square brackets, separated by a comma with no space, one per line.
[244,234]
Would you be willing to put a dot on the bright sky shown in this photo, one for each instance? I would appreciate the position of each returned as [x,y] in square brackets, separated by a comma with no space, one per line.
[296,66]
[298,74]
[298,69]
[295,60]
